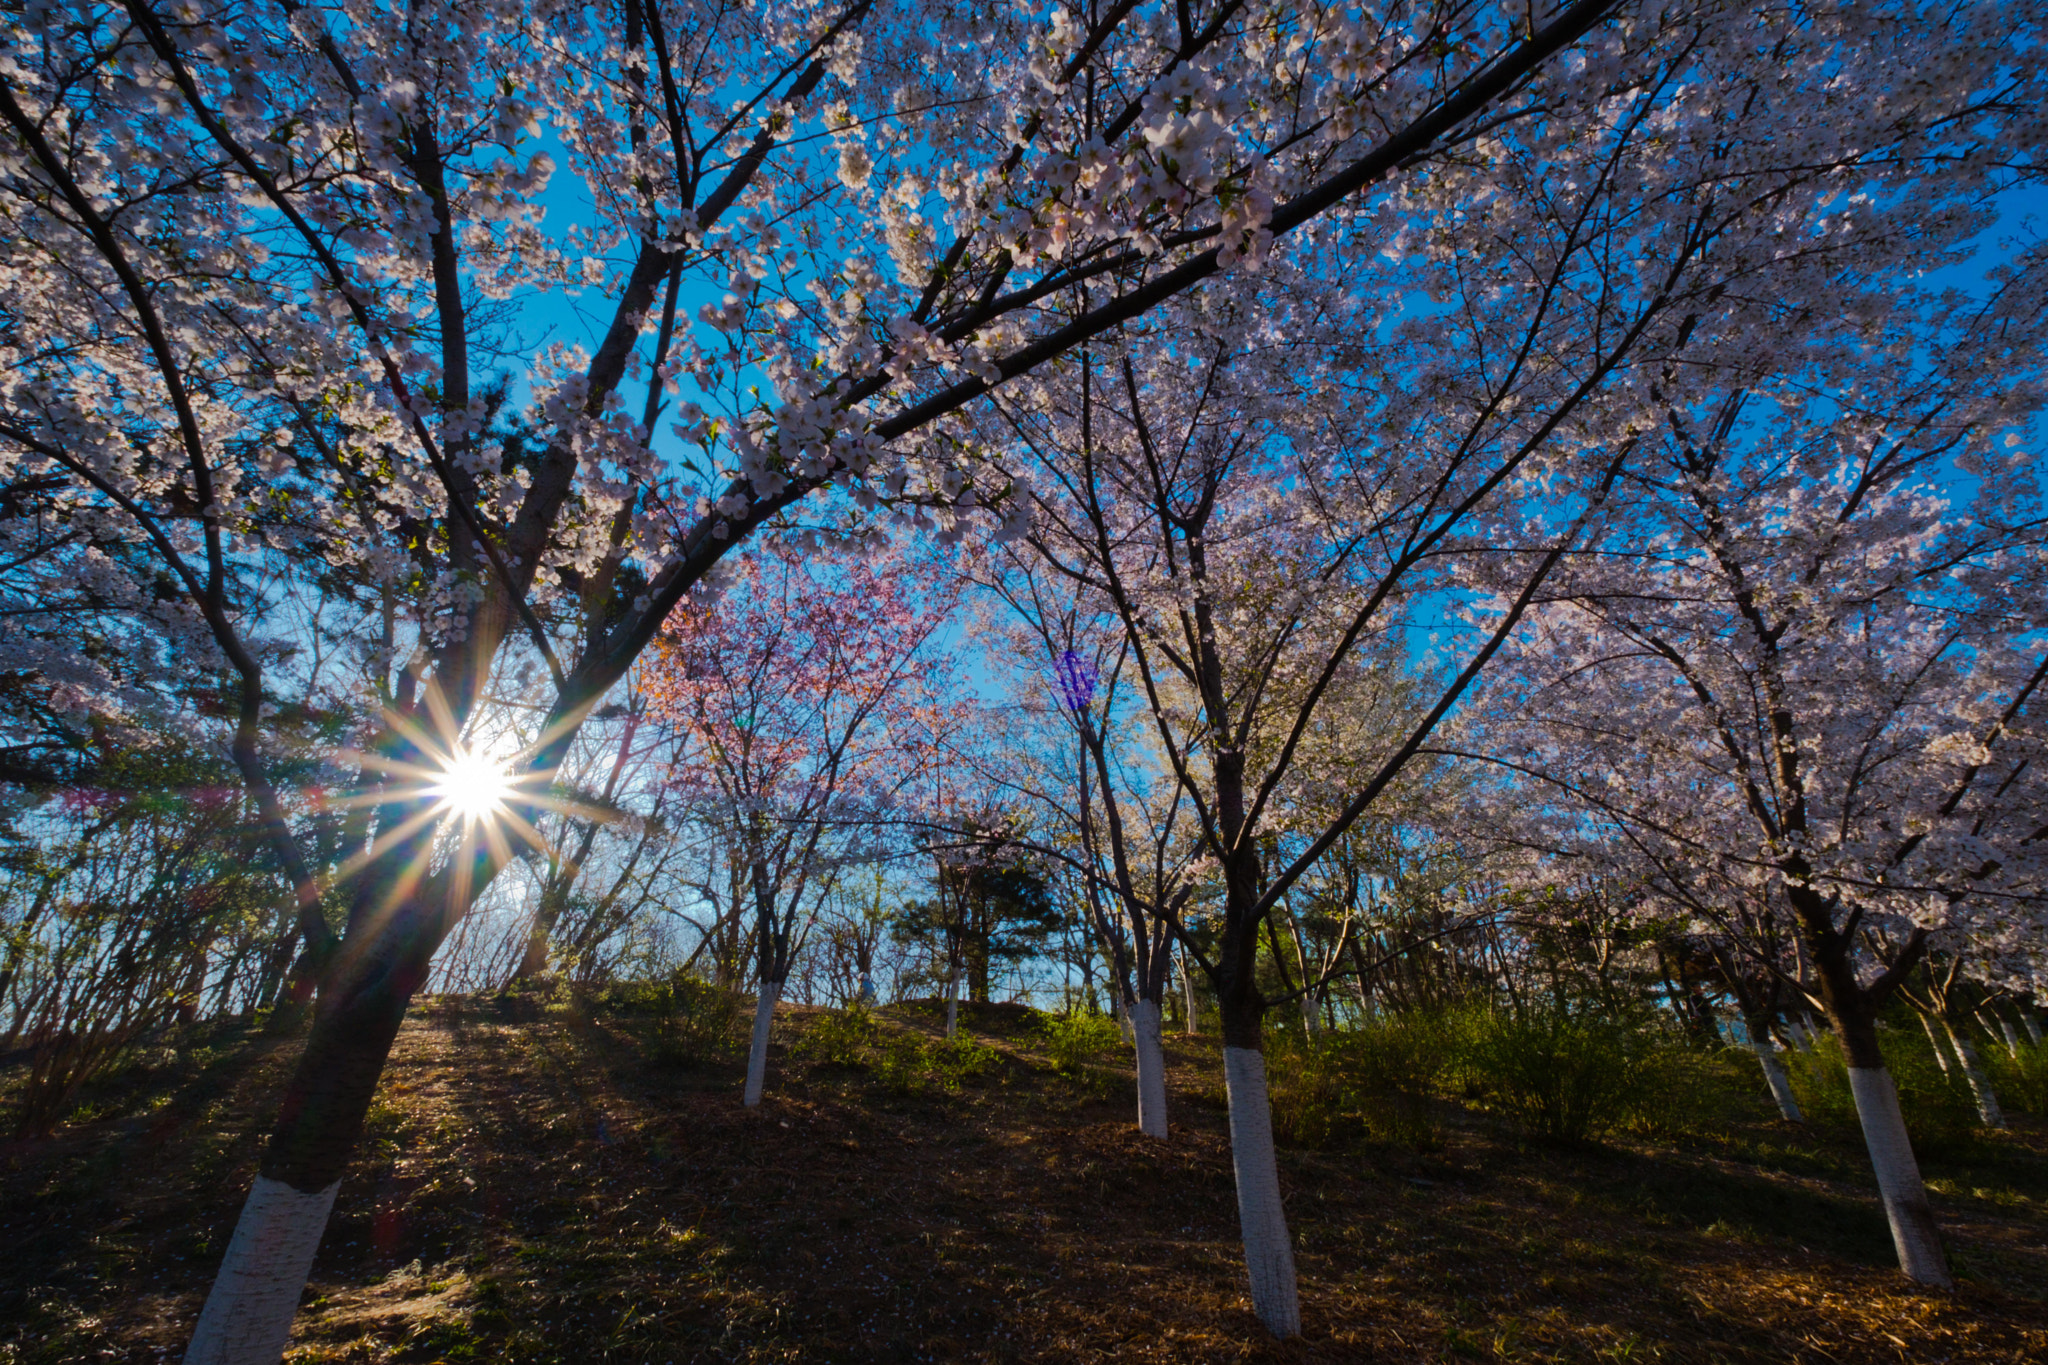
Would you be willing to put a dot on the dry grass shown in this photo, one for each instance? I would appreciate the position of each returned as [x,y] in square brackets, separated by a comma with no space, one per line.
[540,1191]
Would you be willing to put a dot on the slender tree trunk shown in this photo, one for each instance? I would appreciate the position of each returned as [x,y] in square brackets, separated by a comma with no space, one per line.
[1311,1016]
[1906,1208]
[757,1053]
[1774,1075]
[1151,1069]
[1988,1111]
[1262,1218]
[2033,1026]
[1191,1023]
[2012,1038]
[953,1004]
[1934,1041]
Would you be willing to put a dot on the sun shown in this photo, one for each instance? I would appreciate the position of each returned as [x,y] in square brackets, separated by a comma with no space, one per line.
[473,785]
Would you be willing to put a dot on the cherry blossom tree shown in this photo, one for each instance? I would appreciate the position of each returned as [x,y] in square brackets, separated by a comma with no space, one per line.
[265,264]
[815,691]
[1799,692]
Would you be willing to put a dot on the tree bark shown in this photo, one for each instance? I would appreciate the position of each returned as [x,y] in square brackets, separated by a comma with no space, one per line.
[249,1311]
[757,1053]
[952,1004]
[2033,1026]
[1190,1021]
[1774,1076]
[2012,1038]
[248,1316]
[1934,1041]
[1980,1085]
[1914,1233]
[1262,1218]
[1151,1069]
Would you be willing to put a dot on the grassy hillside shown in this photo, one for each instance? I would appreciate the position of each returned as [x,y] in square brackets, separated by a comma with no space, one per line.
[545,1183]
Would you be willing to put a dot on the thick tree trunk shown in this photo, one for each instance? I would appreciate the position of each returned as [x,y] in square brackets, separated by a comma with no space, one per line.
[248,1317]
[1988,1111]
[1151,1069]
[1774,1075]
[1268,1251]
[757,1053]
[1914,1233]
[248,1313]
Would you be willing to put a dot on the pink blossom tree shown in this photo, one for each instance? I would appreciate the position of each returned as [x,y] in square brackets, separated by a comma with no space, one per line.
[817,693]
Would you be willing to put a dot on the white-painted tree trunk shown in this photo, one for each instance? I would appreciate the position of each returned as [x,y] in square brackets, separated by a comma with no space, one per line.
[1934,1041]
[2012,1038]
[1311,1016]
[1774,1076]
[2033,1026]
[1988,1111]
[1189,1022]
[757,1054]
[1151,1069]
[952,1005]
[1268,1251]
[1898,1176]
[248,1315]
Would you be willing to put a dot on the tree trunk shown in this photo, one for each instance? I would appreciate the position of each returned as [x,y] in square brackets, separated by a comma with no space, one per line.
[2033,1026]
[1311,1016]
[1151,1069]
[1190,1022]
[2012,1038]
[757,1054]
[1988,1111]
[1774,1075]
[1934,1041]
[952,1004]
[1898,1177]
[248,1316]
[1268,1251]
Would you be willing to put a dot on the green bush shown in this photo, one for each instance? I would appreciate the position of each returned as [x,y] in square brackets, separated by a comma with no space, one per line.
[840,1038]
[1940,1114]
[909,1065]
[1373,1082]
[1078,1039]
[686,1021]
[1560,1070]
[2022,1081]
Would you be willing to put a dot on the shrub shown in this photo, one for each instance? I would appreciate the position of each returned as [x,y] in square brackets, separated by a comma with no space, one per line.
[1940,1114]
[688,1022]
[909,1065]
[2022,1081]
[840,1038]
[1078,1038]
[1559,1070]
[1373,1082]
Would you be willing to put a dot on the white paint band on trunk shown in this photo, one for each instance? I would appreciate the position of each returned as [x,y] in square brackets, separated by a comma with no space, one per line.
[1268,1251]
[1151,1069]
[1774,1076]
[248,1315]
[952,1005]
[1898,1176]
[757,1054]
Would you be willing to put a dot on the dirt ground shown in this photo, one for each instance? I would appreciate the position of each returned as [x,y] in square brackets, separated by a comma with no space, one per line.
[555,1188]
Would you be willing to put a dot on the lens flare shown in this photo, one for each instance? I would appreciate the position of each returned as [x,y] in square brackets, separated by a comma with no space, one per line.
[473,786]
